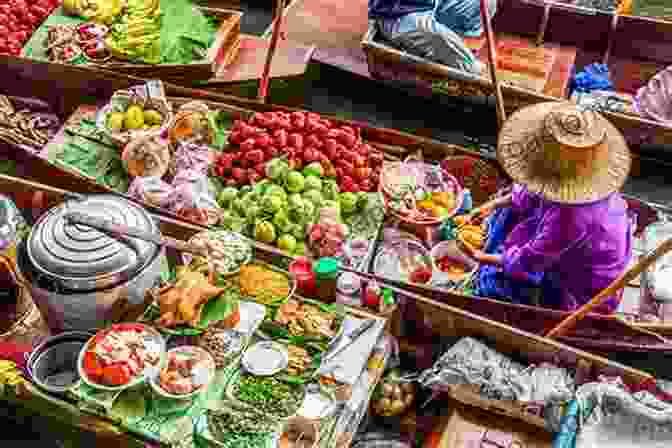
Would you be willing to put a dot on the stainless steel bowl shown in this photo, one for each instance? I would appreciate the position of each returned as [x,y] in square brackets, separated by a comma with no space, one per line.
[52,365]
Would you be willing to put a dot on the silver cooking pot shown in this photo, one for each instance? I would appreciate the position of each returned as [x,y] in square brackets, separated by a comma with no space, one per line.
[77,274]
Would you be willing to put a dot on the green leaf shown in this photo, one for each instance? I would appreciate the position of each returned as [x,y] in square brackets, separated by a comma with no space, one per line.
[216,310]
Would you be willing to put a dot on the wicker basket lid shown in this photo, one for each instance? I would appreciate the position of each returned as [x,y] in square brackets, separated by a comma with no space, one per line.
[564,153]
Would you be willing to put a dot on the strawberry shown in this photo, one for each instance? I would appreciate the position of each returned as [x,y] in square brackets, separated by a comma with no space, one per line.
[314,140]
[239,174]
[347,139]
[280,138]
[295,140]
[260,168]
[263,141]
[331,148]
[235,138]
[256,156]
[247,145]
[347,184]
[271,153]
[310,154]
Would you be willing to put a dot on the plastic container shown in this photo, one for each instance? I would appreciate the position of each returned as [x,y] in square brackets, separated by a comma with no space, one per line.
[326,276]
[302,269]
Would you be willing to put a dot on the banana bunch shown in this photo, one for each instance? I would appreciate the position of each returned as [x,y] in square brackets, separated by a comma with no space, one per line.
[138,35]
[472,235]
[100,11]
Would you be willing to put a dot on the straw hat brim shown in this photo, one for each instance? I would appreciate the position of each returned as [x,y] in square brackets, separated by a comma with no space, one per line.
[517,159]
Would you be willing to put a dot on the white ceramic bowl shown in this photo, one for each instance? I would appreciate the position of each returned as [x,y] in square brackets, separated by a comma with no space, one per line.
[257,359]
[153,337]
[191,351]
[450,249]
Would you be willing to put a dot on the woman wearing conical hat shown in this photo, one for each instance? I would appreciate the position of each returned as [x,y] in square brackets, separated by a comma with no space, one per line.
[563,232]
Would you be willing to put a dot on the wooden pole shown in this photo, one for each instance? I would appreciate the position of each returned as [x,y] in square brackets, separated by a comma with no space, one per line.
[492,62]
[265,77]
[621,282]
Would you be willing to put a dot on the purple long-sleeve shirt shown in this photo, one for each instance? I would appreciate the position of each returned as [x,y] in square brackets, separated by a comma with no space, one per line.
[586,246]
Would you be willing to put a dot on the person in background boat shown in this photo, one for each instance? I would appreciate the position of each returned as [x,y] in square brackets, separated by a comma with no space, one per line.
[563,232]
[433,29]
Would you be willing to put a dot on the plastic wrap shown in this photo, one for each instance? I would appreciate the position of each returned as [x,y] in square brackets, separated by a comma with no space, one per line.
[190,156]
[152,190]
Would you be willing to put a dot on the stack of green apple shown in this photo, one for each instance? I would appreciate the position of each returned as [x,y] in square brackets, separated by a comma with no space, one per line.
[278,209]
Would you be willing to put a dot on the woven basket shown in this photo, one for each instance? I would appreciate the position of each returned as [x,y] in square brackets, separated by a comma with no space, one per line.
[29,325]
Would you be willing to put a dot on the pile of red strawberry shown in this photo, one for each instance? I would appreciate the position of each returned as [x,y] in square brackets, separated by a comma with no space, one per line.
[19,19]
[303,138]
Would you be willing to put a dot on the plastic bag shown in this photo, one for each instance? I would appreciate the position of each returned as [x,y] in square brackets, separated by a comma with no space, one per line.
[190,156]
[152,190]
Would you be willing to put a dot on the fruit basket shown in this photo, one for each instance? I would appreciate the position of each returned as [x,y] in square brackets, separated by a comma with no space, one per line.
[128,117]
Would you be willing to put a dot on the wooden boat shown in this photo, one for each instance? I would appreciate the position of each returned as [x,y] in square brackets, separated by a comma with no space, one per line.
[448,324]
[541,46]
[33,79]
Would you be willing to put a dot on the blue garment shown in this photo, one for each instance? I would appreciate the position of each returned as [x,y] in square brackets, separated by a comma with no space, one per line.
[462,17]
[394,9]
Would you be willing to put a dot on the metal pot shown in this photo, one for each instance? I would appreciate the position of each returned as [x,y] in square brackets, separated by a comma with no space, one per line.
[78,274]
[52,365]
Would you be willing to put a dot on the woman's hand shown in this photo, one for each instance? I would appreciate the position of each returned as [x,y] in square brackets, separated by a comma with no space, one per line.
[479,255]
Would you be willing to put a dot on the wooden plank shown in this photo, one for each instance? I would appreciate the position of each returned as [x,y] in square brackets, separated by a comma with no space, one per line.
[290,59]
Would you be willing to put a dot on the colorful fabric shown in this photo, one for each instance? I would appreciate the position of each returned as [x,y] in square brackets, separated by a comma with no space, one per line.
[580,249]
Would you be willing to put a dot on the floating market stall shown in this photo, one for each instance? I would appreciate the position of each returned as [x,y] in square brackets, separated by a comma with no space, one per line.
[277,210]
[261,364]
[592,53]
[173,40]
[225,355]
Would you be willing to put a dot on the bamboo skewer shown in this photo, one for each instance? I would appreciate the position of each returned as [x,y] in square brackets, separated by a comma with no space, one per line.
[621,282]
[492,62]
[263,84]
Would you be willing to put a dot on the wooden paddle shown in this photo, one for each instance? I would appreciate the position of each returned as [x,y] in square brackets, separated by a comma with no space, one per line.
[621,282]
[265,77]
[492,62]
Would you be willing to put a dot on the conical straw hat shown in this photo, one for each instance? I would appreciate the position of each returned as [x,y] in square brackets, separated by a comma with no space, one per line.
[564,153]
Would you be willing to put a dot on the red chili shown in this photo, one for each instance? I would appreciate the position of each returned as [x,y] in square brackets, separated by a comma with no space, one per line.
[263,141]
[280,137]
[256,156]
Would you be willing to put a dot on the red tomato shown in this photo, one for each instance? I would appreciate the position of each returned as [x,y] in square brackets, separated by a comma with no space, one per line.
[21,36]
[92,367]
[117,374]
